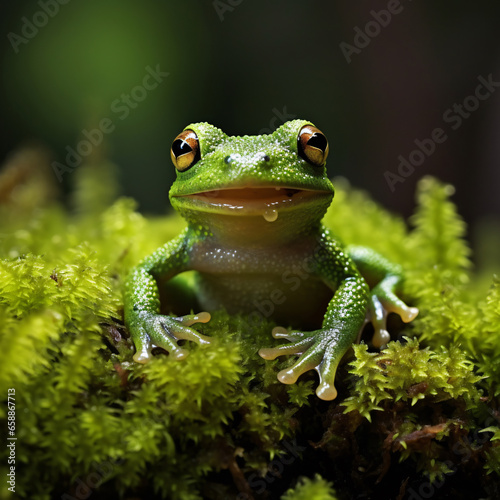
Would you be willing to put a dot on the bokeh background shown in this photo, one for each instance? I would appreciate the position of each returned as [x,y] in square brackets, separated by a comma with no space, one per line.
[247,66]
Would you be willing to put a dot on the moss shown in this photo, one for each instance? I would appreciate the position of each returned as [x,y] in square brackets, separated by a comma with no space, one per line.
[407,373]
[311,489]
[219,425]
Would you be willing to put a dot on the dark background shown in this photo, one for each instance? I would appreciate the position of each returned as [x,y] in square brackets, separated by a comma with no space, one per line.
[241,65]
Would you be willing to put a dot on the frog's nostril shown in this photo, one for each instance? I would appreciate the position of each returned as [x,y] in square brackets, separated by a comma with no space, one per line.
[234,157]
[262,157]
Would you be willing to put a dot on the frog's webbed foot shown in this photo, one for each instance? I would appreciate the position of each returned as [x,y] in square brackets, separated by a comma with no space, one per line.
[382,302]
[154,330]
[318,350]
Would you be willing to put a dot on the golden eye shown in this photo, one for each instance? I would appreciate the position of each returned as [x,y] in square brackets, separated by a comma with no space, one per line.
[312,145]
[185,150]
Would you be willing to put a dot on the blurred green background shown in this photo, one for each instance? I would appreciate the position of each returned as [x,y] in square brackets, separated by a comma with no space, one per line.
[246,66]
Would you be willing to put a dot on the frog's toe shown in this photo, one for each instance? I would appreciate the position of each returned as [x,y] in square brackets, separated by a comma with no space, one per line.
[279,332]
[142,347]
[142,355]
[165,332]
[320,350]
[281,350]
[326,391]
[186,333]
[308,361]
[179,353]
[393,304]
[380,338]
[166,337]
[406,313]
[191,319]
[327,370]
[183,332]
[380,308]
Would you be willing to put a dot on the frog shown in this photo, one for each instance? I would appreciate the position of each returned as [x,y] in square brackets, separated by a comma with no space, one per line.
[255,242]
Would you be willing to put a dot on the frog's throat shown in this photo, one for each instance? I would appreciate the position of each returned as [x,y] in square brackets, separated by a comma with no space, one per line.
[251,200]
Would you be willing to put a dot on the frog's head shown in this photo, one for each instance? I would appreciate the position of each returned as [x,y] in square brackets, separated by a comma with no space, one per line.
[268,183]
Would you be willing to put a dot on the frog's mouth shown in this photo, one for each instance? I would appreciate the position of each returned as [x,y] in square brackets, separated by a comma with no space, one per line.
[264,201]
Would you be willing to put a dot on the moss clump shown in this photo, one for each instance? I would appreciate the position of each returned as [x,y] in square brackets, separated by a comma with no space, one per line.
[404,372]
[311,489]
[413,383]
[219,424]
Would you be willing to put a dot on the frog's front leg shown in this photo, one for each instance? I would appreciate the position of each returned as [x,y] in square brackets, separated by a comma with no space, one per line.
[323,349]
[147,327]
[385,279]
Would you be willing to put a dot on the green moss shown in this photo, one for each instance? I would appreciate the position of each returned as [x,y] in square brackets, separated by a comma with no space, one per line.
[219,424]
[311,489]
[404,372]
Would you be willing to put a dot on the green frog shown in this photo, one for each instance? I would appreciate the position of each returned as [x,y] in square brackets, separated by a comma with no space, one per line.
[253,207]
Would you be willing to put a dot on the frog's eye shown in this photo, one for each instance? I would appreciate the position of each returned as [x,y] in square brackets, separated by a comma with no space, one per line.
[312,145]
[185,150]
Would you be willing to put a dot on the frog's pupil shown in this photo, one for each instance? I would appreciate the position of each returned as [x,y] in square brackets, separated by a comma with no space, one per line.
[181,147]
[318,141]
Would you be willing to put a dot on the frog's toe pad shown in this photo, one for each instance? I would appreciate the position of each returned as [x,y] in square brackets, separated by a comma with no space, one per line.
[326,392]
[306,362]
[141,357]
[142,352]
[380,338]
[408,314]
[179,354]
[287,377]
[191,319]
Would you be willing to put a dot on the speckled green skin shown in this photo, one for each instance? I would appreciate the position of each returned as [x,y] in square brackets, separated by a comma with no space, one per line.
[287,268]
